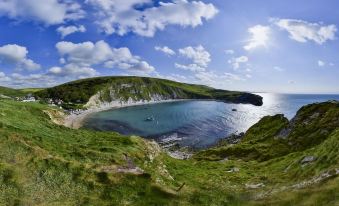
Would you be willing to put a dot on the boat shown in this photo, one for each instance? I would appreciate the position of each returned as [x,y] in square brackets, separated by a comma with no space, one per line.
[149,119]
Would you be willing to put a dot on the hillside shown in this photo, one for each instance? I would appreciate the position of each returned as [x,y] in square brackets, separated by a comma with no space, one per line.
[275,136]
[95,91]
[11,92]
[42,163]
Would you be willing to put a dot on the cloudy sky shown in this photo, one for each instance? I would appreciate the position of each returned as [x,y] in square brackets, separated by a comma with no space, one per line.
[251,45]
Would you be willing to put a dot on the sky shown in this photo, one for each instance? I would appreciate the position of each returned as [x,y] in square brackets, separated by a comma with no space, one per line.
[288,46]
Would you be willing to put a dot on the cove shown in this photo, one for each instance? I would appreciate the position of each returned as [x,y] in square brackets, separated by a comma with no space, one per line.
[198,124]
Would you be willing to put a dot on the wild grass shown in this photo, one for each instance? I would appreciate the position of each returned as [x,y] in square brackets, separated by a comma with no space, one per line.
[42,163]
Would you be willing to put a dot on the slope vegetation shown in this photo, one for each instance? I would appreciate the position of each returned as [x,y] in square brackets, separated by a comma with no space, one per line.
[275,136]
[108,89]
[11,92]
[42,163]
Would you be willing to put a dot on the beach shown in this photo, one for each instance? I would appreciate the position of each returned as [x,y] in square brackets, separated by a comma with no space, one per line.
[75,120]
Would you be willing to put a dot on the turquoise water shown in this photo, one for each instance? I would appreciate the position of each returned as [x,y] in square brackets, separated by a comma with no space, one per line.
[197,123]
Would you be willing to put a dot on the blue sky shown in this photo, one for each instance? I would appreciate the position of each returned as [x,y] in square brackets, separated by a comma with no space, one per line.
[261,46]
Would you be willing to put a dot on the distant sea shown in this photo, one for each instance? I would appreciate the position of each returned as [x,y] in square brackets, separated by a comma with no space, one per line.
[198,124]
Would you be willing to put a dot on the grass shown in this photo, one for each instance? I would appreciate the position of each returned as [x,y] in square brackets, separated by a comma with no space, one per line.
[140,88]
[30,90]
[265,140]
[11,92]
[17,92]
[42,163]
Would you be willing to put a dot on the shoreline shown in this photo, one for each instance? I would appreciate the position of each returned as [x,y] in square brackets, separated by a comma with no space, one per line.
[75,121]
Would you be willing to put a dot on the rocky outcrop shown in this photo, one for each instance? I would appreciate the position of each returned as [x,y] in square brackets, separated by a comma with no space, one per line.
[308,159]
[250,98]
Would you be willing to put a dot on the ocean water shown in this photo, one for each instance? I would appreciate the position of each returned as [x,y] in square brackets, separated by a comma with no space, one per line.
[197,124]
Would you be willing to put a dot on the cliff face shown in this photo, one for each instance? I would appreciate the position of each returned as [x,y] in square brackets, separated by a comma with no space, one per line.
[128,94]
[103,90]
[100,100]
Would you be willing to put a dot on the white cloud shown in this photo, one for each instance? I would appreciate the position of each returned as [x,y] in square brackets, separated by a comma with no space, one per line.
[198,55]
[190,67]
[229,51]
[133,65]
[231,77]
[73,70]
[17,55]
[303,31]
[166,50]
[31,80]
[79,59]
[321,63]
[217,80]
[65,31]
[238,61]
[248,76]
[173,77]
[260,36]
[4,78]
[279,69]
[291,82]
[121,16]
[48,12]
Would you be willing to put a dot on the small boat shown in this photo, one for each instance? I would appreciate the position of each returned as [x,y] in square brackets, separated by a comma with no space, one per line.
[234,110]
[149,119]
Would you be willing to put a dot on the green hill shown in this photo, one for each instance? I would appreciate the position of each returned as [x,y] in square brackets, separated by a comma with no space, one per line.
[278,162]
[11,92]
[275,136]
[107,89]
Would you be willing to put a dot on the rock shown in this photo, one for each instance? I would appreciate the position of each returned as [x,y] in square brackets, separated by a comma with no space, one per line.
[308,159]
[234,169]
[134,170]
[283,134]
[254,186]
[235,138]
[224,160]
[315,115]
[250,98]
[231,139]
[4,96]
[179,155]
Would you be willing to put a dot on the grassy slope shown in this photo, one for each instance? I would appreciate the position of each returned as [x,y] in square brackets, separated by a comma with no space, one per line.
[141,88]
[45,164]
[274,136]
[30,90]
[17,92]
[11,92]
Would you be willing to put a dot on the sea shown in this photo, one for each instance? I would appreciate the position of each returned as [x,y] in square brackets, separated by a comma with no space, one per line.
[197,123]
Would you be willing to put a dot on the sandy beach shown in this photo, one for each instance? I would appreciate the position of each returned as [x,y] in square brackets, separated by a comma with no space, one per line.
[75,121]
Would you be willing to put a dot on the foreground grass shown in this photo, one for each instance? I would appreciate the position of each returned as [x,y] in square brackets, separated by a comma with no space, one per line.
[42,163]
